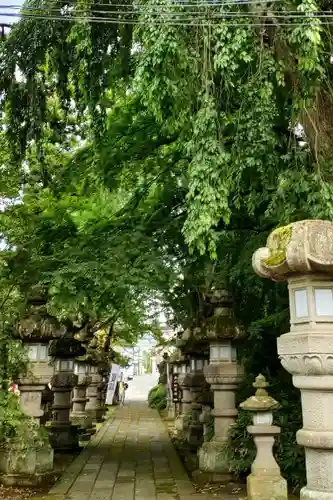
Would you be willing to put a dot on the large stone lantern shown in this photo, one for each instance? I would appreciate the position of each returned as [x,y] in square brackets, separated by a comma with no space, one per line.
[36,329]
[302,255]
[79,415]
[223,374]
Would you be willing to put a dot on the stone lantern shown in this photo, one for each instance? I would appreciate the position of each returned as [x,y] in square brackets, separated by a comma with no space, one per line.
[36,329]
[302,255]
[93,406]
[223,374]
[79,415]
[265,481]
[63,434]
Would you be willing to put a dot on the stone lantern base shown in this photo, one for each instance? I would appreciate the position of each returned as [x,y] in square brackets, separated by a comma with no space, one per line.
[213,462]
[63,436]
[30,467]
[274,488]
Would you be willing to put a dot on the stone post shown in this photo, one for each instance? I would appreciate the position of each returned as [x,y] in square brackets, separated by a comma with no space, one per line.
[63,434]
[93,406]
[302,254]
[265,481]
[176,360]
[223,374]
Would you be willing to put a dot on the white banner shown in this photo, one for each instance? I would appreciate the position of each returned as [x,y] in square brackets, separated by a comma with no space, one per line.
[113,379]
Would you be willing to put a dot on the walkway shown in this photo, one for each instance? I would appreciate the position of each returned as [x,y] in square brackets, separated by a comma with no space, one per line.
[131,458]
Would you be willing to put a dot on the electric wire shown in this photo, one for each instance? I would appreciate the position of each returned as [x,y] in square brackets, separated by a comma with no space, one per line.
[195,23]
[276,13]
[172,17]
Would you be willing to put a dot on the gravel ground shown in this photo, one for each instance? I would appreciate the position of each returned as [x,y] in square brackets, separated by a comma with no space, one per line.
[18,493]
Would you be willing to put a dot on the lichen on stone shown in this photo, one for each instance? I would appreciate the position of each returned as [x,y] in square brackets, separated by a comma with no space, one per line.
[277,244]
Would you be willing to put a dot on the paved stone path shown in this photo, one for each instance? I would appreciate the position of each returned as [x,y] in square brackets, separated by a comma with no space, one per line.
[131,458]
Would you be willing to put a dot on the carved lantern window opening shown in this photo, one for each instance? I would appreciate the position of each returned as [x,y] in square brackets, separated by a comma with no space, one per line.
[38,353]
[64,365]
[311,300]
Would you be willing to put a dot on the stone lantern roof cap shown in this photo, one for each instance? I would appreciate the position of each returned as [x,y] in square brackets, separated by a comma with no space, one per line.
[261,401]
[298,248]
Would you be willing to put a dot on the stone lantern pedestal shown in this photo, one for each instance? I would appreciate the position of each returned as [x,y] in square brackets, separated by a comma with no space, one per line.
[223,374]
[302,254]
[265,481]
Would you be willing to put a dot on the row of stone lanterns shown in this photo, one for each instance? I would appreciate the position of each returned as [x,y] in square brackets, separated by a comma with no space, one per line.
[75,385]
[302,255]
[208,358]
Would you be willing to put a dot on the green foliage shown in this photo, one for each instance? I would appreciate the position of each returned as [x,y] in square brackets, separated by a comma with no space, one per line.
[157,397]
[152,175]
[17,431]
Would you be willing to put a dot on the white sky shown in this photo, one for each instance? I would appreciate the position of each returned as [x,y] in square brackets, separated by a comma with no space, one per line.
[9,19]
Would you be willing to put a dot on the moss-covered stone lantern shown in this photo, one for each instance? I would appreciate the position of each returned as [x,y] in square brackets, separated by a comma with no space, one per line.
[302,255]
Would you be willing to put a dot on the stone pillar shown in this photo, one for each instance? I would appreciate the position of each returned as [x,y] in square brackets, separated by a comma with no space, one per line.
[265,481]
[33,384]
[63,435]
[223,374]
[93,406]
[302,254]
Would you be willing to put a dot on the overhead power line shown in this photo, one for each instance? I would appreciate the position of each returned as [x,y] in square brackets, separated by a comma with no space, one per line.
[194,21]
[133,6]
[159,11]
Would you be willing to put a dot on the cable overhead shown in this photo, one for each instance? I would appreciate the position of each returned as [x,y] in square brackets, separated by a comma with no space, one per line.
[309,22]
[276,13]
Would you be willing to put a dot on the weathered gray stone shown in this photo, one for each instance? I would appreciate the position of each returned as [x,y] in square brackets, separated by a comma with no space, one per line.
[28,467]
[302,254]
[223,374]
[63,434]
[265,481]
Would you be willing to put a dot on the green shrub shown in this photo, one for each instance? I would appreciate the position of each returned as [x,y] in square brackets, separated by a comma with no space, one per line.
[157,397]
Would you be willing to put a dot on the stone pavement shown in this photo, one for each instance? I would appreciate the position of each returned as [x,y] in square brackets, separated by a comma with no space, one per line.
[130,458]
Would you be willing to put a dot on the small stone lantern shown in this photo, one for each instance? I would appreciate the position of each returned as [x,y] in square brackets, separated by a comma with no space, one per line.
[265,481]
